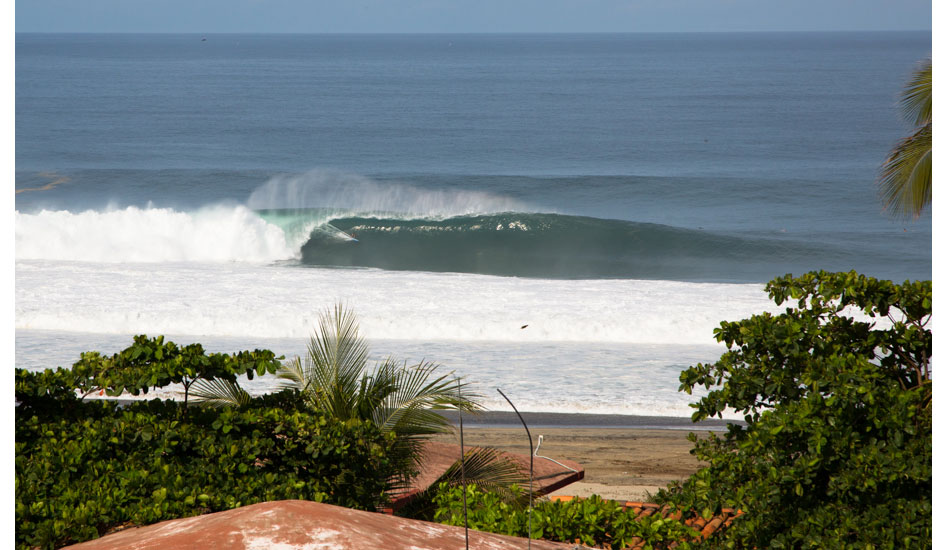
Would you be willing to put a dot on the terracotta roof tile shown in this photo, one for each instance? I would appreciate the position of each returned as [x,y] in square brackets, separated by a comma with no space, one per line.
[697,522]
[646,511]
[712,526]
[704,528]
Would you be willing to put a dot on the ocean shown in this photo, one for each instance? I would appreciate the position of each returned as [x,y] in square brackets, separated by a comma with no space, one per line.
[564,217]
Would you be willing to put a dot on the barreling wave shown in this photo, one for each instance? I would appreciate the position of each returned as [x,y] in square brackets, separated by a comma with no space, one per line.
[547,246]
[523,244]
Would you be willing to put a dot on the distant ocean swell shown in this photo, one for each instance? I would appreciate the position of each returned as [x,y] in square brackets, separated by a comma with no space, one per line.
[540,245]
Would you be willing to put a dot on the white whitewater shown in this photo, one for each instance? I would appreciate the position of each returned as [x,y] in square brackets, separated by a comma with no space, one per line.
[213,234]
[236,299]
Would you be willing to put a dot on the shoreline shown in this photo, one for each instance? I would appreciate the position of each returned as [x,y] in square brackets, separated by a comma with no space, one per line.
[508,419]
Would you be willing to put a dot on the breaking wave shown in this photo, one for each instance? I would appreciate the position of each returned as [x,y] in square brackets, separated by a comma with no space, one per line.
[334,220]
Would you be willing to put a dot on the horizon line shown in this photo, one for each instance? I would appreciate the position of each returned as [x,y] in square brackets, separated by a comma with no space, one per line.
[442,33]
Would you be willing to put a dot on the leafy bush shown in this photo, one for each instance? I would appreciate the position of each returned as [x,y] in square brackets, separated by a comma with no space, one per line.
[156,363]
[83,468]
[592,521]
[333,378]
[837,449]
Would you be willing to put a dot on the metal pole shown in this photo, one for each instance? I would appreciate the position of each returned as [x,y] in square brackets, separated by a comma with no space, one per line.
[531,465]
[462,445]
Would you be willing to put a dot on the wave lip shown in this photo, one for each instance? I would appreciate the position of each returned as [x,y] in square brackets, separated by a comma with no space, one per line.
[152,235]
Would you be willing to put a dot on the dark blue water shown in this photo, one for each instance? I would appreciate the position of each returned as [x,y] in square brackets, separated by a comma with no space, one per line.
[752,155]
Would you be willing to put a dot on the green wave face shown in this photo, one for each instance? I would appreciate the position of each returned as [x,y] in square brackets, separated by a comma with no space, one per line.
[552,246]
[298,223]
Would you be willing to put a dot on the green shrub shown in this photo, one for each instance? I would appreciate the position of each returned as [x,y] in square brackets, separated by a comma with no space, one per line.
[153,362]
[83,468]
[592,521]
[837,450]
[334,378]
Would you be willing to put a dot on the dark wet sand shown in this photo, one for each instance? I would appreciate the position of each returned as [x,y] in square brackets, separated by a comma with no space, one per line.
[506,419]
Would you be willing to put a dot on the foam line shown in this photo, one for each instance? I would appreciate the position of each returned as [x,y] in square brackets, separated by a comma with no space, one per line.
[241,299]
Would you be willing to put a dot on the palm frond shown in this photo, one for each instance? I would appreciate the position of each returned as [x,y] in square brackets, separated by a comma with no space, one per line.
[331,373]
[374,390]
[332,377]
[292,375]
[905,179]
[915,102]
[905,182]
[218,393]
[488,469]
[485,468]
[410,408]
[338,348]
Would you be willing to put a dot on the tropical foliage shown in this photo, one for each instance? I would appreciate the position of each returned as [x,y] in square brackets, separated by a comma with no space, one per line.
[836,394]
[593,522]
[149,363]
[484,468]
[334,379]
[905,180]
[84,468]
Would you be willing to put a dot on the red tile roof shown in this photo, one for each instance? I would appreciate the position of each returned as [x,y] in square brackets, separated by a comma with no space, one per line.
[297,524]
[705,528]
[438,457]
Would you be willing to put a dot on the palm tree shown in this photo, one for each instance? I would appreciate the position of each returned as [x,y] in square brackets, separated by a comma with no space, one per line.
[333,378]
[905,177]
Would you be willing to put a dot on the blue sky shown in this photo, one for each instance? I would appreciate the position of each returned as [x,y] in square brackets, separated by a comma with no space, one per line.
[450,16]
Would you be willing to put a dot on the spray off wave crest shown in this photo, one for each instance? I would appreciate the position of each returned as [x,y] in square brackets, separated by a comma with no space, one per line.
[339,220]
[273,225]
[358,195]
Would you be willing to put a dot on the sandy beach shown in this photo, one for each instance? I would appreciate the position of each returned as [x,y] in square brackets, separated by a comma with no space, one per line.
[624,457]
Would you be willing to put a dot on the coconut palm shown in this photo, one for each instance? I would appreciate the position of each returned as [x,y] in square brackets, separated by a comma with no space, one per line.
[333,378]
[905,177]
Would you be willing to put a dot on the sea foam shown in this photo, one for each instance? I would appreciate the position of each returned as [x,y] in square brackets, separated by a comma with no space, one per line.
[551,344]
[213,234]
[242,299]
